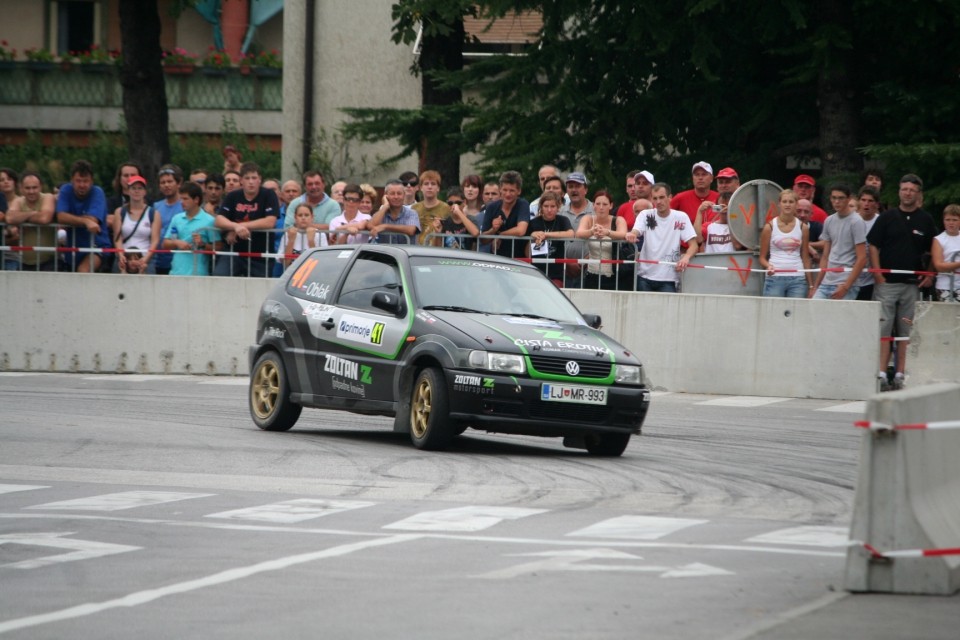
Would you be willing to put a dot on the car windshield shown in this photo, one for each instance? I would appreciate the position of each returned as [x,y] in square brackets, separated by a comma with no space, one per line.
[478,286]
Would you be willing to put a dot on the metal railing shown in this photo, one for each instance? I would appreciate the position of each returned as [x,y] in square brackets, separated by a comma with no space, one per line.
[95,85]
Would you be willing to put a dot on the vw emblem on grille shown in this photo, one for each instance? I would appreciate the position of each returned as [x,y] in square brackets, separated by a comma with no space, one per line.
[573,368]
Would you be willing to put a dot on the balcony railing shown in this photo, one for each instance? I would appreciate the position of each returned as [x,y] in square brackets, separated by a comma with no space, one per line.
[98,85]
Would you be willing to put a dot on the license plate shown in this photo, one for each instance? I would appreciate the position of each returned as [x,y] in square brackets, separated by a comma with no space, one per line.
[570,393]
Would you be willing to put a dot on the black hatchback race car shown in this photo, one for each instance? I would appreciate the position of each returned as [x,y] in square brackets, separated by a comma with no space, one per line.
[443,340]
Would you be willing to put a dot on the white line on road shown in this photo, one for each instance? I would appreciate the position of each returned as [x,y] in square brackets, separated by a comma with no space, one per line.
[81,549]
[742,401]
[814,536]
[473,518]
[149,595]
[121,501]
[11,488]
[292,511]
[636,527]
[859,407]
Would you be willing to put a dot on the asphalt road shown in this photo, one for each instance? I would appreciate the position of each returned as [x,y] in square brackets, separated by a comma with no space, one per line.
[151,506]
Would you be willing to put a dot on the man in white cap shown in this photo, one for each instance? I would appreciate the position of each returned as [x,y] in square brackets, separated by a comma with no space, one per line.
[635,179]
[578,207]
[689,201]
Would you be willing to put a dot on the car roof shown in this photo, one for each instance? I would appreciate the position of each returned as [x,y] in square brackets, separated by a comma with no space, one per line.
[410,250]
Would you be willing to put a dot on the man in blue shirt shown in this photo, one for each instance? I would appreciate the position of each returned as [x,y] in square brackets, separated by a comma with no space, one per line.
[169,179]
[82,206]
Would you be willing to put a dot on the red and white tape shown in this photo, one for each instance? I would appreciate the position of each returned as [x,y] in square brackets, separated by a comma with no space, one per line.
[917,426]
[907,553]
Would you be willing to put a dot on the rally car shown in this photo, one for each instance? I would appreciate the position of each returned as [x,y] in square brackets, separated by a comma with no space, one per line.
[443,340]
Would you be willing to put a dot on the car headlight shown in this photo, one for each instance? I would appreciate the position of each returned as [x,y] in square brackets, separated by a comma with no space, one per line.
[629,374]
[500,362]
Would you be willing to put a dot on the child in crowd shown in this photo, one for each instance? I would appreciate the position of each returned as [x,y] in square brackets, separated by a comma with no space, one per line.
[946,256]
[301,236]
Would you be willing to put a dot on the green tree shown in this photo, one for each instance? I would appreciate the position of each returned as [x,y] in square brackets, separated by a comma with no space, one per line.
[612,85]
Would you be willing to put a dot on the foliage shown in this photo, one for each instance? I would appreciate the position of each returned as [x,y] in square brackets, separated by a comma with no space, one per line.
[217,59]
[178,57]
[95,55]
[7,53]
[933,162]
[330,154]
[613,85]
[263,58]
[37,54]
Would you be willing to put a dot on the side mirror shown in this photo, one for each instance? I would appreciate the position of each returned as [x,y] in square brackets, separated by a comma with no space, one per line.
[389,302]
[593,320]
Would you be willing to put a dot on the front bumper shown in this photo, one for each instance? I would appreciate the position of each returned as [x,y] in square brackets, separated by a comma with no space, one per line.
[508,404]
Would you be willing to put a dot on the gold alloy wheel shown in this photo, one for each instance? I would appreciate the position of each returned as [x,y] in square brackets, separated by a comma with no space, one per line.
[422,405]
[265,390]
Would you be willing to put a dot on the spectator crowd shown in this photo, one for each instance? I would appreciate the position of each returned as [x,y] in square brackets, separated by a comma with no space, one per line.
[233,222]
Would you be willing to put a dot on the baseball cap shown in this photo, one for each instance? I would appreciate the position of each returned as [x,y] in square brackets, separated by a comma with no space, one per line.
[804,179]
[647,175]
[703,165]
[137,180]
[576,176]
[728,172]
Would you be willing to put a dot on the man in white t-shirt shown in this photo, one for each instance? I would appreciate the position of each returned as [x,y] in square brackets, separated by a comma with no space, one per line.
[663,230]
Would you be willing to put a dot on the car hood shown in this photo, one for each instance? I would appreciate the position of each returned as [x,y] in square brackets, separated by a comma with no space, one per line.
[514,334]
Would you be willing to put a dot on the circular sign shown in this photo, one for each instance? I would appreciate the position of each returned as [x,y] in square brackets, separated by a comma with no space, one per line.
[573,368]
[750,207]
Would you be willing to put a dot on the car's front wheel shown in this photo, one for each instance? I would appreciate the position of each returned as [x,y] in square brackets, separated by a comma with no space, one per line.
[429,411]
[270,404]
[607,444]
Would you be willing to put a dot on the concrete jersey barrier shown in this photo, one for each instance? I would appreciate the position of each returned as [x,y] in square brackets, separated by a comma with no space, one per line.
[740,345]
[906,515]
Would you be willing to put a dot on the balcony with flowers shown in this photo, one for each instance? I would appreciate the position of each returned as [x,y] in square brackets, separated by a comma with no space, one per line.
[36,77]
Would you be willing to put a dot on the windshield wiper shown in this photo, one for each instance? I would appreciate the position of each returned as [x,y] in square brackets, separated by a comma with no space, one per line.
[528,315]
[443,307]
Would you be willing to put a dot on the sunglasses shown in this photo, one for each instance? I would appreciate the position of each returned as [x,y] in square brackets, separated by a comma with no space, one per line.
[167,172]
[410,183]
[455,202]
[351,199]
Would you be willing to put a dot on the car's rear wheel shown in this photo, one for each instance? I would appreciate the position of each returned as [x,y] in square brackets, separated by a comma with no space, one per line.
[270,404]
[607,444]
[429,411]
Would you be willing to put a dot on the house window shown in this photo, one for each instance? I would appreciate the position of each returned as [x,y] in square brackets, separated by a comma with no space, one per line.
[75,24]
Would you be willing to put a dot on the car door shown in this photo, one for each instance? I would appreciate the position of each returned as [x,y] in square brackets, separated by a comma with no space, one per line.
[365,340]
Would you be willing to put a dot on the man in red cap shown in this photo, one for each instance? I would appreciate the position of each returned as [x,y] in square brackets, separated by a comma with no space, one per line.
[689,201]
[804,186]
[727,182]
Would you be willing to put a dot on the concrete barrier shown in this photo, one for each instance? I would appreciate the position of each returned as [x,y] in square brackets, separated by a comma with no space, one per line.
[908,496]
[743,345]
[127,324]
[934,344]
[736,345]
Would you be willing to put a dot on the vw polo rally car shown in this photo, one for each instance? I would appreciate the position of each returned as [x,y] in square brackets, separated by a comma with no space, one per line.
[442,340]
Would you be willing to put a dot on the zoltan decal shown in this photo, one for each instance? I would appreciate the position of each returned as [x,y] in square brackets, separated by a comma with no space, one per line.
[345,370]
[473,384]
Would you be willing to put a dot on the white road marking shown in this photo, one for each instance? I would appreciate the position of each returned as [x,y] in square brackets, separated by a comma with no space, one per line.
[814,536]
[82,549]
[229,382]
[573,560]
[229,575]
[135,377]
[11,488]
[120,501]
[21,374]
[860,406]
[636,527]
[660,394]
[487,539]
[292,511]
[742,401]
[474,518]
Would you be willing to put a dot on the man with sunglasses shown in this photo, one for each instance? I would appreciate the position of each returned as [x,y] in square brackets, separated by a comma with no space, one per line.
[410,183]
[457,225]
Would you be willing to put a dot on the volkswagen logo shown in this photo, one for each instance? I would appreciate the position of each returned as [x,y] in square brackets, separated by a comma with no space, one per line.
[573,368]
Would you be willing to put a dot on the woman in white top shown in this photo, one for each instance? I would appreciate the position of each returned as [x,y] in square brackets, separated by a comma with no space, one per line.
[602,231]
[301,236]
[784,253]
[136,229]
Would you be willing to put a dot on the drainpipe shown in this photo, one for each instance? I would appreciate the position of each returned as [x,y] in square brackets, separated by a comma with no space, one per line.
[308,66]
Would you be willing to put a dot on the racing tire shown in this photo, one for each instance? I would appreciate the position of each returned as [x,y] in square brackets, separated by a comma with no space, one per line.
[608,445]
[429,411]
[270,405]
